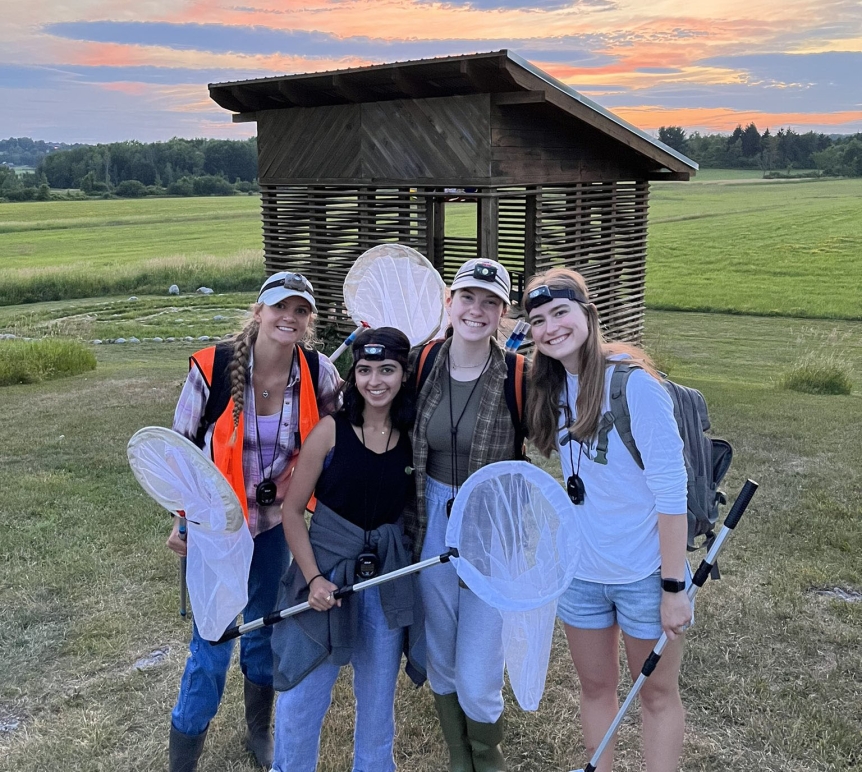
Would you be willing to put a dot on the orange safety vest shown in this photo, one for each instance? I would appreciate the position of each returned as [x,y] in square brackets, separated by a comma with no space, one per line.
[226,455]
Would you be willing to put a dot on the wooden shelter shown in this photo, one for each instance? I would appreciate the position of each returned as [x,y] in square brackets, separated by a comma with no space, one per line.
[354,158]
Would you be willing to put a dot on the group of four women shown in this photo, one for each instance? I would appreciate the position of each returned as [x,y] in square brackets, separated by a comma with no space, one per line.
[384,455]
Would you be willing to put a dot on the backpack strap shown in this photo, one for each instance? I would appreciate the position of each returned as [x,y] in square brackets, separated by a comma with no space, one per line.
[426,362]
[219,396]
[619,415]
[313,362]
[219,384]
[514,389]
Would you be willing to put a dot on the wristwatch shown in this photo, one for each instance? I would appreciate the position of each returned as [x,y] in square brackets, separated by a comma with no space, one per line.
[672,585]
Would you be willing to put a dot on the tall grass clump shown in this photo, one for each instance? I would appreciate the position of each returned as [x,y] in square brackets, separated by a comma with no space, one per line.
[42,360]
[242,272]
[818,372]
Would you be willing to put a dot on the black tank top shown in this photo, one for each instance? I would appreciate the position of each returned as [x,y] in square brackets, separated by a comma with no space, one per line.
[364,487]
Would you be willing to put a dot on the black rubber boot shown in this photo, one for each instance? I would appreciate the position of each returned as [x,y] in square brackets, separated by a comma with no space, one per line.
[485,742]
[258,716]
[453,722]
[184,750]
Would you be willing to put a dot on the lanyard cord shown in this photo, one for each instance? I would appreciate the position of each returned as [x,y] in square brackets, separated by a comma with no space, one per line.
[569,416]
[453,424]
[278,430]
[365,520]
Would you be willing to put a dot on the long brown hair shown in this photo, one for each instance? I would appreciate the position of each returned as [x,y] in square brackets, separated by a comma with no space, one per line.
[548,376]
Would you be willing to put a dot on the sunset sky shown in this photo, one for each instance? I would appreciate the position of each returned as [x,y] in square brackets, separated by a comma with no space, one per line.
[109,70]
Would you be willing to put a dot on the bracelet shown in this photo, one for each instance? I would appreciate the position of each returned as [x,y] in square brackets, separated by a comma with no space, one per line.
[316,576]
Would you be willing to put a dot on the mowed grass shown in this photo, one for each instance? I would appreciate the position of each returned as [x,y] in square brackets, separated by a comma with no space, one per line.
[729,243]
[770,677]
[67,249]
[760,248]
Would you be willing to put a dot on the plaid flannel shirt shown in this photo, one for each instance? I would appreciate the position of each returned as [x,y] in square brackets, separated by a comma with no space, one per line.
[493,435]
[190,410]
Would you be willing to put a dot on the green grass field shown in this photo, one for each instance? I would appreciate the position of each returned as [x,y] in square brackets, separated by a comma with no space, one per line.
[772,248]
[770,678]
[786,248]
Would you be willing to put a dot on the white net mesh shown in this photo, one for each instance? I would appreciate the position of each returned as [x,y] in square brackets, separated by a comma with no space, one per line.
[512,525]
[175,473]
[392,285]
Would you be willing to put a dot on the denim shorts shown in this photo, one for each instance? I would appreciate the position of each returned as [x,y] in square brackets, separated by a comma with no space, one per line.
[635,607]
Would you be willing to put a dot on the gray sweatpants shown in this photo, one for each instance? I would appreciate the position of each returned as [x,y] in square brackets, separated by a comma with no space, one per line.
[464,634]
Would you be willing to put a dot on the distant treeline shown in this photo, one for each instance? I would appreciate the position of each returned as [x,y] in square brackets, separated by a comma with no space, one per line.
[774,154]
[23,151]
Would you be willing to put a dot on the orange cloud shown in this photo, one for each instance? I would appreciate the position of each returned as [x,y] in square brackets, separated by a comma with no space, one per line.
[719,119]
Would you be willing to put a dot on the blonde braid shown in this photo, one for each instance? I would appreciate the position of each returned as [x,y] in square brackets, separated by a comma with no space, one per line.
[238,369]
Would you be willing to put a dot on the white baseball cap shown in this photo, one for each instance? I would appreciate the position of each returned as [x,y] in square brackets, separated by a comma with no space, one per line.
[284,285]
[484,274]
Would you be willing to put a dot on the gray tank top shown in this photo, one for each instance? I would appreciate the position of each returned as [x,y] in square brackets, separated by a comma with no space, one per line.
[439,433]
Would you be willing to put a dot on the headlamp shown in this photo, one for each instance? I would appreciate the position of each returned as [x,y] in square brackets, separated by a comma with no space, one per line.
[542,294]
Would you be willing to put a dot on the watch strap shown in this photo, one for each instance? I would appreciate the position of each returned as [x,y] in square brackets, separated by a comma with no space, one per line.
[672,585]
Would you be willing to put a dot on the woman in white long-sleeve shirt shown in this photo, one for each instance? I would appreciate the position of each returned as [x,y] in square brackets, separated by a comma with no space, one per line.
[632,522]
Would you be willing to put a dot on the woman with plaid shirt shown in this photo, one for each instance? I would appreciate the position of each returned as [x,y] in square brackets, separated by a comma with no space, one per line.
[462,424]
[272,405]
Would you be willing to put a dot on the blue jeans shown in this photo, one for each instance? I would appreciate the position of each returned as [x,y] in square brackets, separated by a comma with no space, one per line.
[299,712]
[203,680]
[464,635]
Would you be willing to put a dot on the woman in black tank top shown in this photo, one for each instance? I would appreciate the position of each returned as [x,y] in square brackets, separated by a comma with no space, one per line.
[358,465]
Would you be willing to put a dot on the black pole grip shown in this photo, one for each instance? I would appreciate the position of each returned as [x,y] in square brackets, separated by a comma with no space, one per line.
[741,503]
[227,635]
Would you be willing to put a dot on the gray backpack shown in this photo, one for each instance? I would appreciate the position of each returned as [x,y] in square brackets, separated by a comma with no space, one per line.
[707,459]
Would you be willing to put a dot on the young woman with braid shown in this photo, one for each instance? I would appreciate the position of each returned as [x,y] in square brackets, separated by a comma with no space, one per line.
[262,382]
[631,519]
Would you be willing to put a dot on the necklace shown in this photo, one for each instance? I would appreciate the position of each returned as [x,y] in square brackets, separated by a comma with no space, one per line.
[264,394]
[455,366]
[453,428]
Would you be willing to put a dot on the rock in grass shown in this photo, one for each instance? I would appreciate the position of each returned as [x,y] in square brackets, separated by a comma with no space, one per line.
[219,318]
[203,338]
[153,659]
[157,340]
[133,339]
[188,339]
[97,342]
[173,290]
[7,336]
[132,299]
[204,291]
[170,340]
[119,340]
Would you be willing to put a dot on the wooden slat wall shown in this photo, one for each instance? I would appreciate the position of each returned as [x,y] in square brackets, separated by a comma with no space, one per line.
[530,144]
[600,230]
[309,142]
[319,231]
[442,139]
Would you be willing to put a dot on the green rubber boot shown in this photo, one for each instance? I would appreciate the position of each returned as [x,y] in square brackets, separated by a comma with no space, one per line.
[485,742]
[258,716]
[184,750]
[453,722]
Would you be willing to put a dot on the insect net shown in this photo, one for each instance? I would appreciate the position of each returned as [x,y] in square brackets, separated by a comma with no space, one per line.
[392,285]
[513,527]
[174,472]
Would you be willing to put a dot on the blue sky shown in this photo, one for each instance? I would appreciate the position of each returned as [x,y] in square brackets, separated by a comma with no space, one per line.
[106,70]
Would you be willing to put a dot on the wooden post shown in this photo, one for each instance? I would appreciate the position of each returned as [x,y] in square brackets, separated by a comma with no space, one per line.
[487,226]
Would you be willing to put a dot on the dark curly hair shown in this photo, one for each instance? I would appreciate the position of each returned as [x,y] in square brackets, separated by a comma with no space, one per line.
[403,408]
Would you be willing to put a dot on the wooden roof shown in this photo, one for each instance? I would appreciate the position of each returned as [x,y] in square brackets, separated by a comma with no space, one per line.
[512,80]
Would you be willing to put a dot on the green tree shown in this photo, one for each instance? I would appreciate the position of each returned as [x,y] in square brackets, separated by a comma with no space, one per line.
[673,136]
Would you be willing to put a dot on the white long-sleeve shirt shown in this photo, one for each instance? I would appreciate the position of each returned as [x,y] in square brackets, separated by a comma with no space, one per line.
[618,523]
